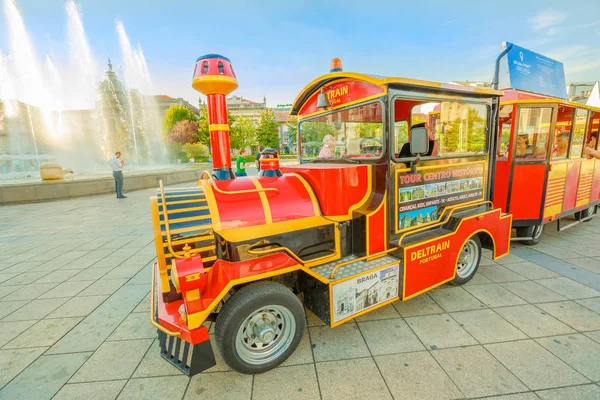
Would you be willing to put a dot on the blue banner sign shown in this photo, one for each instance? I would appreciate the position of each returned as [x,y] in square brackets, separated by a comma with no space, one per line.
[535,73]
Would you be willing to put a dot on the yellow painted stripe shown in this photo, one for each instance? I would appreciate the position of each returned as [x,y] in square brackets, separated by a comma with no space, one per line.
[192,239]
[218,127]
[190,229]
[188,219]
[311,193]
[180,210]
[264,201]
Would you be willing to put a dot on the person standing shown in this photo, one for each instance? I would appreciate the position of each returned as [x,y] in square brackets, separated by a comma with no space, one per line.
[260,149]
[117,166]
[240,164]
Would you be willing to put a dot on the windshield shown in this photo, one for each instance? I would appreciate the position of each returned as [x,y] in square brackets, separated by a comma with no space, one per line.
[352,133]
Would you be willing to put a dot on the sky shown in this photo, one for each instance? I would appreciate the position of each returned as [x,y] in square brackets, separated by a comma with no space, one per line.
[278,47]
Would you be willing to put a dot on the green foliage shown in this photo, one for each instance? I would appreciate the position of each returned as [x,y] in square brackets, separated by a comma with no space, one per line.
[267,132]
[203,132]
[242,133]
[292,133]
[462,135]
[195,150]
[315,131]
[174,115]
[247,158]
[368,129]
[184,132]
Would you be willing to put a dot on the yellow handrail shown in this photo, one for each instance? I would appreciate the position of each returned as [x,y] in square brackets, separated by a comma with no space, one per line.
[211,180]
[444,221]
[152,321]
[276,250]
[166,219]
[369,258]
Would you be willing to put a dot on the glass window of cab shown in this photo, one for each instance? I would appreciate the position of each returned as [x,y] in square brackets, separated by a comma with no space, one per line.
[455,129]
[562,132]
[351,133]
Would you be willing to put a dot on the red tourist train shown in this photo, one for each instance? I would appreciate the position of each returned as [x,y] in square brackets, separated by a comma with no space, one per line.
[385,210]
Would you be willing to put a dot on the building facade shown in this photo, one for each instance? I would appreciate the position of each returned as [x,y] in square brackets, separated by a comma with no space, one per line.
[579,92]
[287,142]
[165,102]
[238,106]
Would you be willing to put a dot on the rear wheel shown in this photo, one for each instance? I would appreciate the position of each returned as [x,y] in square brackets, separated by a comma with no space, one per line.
[468,261]
[533,231]
[588,212]
[259,327]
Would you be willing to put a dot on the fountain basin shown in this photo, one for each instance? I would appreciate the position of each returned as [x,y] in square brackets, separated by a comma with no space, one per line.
[37,190]
[50,171]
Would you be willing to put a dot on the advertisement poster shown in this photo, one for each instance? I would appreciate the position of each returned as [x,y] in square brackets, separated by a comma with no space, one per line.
[535,73]
[422,196]
[355,295]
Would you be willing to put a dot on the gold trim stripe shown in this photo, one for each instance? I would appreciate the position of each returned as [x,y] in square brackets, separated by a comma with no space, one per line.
[264,201]
[218,127]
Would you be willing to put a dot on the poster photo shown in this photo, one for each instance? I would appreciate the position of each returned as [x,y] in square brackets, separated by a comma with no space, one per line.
[357,294]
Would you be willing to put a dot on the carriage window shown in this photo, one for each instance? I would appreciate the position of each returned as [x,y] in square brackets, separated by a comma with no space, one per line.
[591,139]
[562,132]
[505,122]
[578,133]
[533,131]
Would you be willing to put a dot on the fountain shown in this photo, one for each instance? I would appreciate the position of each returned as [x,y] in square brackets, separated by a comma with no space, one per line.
[72,114]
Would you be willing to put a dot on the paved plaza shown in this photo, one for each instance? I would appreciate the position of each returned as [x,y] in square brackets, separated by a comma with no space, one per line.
[74,308]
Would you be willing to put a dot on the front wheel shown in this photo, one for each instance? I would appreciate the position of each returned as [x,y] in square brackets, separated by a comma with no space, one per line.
[534,232]
[259,327]
[468,261]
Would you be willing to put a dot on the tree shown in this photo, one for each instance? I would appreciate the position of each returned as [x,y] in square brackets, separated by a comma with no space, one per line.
[292,133]
[203,132]
[195,150]
[184,132]
[368,129]
[242,133]
[174,115]
[267,133]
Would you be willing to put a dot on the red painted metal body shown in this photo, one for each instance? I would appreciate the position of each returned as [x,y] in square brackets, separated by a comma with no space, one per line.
[219,139]
[342,92]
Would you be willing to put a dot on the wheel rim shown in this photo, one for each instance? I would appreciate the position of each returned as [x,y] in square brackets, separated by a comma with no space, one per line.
[265,335]
[467,259]
[536,232]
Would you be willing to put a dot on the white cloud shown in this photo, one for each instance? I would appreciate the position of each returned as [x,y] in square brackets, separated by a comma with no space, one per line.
[548,21]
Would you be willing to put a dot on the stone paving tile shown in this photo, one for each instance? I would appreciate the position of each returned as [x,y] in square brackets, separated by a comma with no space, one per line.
[36,309]
[533,321]
[31,291]
[25,278]
[78,307]
[398,337]
[487,327]
[531,270]
[456,299]
[439,331]
[16,360]
[104,286]
[478,280]
[561,254]
[57,276]
[153,365]
[532,292]
[134,326]
[21,267]
[90,274]
[351,379]
[534,365]
[573,314]
[166,387]
[144,305]
[591,264]
[509,259]
[122,272]
[296,382]
[81,264]
[568,288]
[107,390]
[344,341]
[476,372]
[10,330]
[583,392]
[419,305]
[593,335]
[96,327]
[499,273]
[385,312]
[7,307]
[66,289]
[494,295]
[44,333]
[5,290]
[113,360]
[579,351]
[416,376]
[593,304]
[6,277]
[143,277]
[44,378]
[220,385]
[516,396]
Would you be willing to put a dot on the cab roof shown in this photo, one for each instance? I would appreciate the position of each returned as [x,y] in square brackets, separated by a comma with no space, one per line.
[384,81]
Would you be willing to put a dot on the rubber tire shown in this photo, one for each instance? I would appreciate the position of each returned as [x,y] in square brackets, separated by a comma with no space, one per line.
[236,310]
[461,281]
[527,231]
[579,215]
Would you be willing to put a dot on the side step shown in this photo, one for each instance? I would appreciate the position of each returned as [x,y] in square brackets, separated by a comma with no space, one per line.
[189,359]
